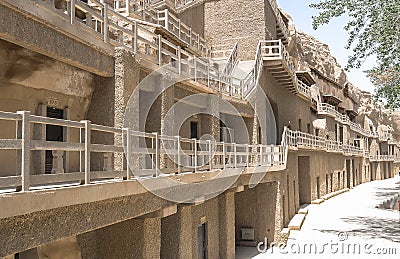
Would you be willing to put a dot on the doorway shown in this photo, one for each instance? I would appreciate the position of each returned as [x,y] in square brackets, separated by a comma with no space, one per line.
[304,179]
[202,241]
[53,133]
[194,131]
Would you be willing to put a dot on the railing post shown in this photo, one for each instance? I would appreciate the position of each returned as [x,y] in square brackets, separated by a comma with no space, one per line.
[159,50]
[195,68]
[25,150]
[208,74]
[87,150]
[128,152]
[224,154]
[195,155]
[210,158]
[247,155]
[135,35]
[190,36]
[157,147]
[261,155]
[166,19]
[105,22]
[127,5]
[179,153]
[179,28]
[179,61]
[72,11]
[235,154]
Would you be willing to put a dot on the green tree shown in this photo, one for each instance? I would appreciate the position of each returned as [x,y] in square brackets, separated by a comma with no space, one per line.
[374,30]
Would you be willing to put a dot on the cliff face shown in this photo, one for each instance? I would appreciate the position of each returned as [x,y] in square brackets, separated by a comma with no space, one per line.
[308,52]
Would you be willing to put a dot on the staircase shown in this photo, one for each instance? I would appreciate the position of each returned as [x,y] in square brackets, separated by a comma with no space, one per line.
[277,61]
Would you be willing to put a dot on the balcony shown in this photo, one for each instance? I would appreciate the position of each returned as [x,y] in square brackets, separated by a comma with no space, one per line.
[143,154]
[300,140]
[171,27]
[330,110]
[381,158]
[277,61]
[304,90]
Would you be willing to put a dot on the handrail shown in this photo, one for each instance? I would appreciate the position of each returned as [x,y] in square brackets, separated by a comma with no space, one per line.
[325,108]
[298,139]
[166,19]
[143,152]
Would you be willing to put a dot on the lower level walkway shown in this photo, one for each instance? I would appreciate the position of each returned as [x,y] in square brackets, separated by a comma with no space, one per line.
[347,226]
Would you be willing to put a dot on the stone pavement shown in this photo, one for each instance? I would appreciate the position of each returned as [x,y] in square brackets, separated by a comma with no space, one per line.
[346,226]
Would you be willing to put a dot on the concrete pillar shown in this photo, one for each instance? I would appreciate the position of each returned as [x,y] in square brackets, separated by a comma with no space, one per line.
[226,211]
[259,208]
[186,233]
[151,238]
[167,101]
[127,77]
[177,234]
[66,248]
[138,238]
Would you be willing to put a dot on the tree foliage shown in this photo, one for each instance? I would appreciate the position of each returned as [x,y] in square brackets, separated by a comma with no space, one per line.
[374,30]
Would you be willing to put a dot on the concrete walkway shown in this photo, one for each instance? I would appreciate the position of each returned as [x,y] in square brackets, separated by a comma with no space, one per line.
[345,226]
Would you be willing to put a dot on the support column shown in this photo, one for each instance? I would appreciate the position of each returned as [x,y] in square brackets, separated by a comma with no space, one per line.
[226,207]
[64,248]
[167,101]
[151,238]
[127,77]
[185,233]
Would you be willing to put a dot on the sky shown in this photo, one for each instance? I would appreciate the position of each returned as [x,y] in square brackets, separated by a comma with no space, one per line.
[332,34]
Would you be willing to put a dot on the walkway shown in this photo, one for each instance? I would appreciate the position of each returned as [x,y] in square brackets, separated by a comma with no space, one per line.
[346,226]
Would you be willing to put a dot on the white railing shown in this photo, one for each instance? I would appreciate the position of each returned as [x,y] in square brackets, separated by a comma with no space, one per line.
[382,158]
[328,109]
[251,80]
[303,89]
[139,36]
[298,139]
[166,19]
[182,31]
[147,154]
[226,53]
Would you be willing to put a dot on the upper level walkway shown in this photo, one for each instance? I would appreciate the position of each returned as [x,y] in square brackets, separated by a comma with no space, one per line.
[145,154]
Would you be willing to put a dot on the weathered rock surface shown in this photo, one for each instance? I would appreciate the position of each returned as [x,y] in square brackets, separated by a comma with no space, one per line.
[308,52]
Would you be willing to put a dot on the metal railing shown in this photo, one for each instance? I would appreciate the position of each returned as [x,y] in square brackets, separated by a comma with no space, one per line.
[251,80]
[382,158]
[302,140]
[139,36]
[145,154]
[303,89]
[164,18]
[226,53]
[330,110]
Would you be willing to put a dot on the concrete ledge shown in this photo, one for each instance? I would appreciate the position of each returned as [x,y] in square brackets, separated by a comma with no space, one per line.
[297,222]
[318,201]
[329,195]
[303,209]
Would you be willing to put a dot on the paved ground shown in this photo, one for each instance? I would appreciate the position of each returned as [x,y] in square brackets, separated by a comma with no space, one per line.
[346,226]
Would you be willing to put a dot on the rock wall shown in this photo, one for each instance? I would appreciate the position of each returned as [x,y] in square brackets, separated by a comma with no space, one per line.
[307,52]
